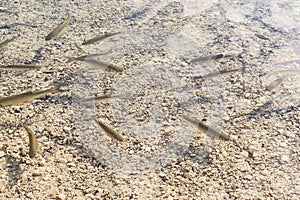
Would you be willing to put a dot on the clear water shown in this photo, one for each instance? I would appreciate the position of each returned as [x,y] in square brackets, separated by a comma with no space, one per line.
[163,36]
[143,115]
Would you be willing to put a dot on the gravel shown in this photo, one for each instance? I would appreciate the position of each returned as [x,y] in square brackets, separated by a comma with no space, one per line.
[163,157]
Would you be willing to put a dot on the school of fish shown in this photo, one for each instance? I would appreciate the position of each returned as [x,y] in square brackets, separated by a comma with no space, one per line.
[26,97]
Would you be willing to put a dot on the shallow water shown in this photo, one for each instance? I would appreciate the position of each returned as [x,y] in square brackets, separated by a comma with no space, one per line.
[156,46]
[158,40]
[256,30]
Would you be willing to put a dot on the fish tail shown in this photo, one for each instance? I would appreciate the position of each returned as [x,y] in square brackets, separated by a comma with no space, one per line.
[57,88]
[69,59]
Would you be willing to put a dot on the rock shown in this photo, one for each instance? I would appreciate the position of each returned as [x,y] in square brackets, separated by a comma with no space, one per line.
[2,154]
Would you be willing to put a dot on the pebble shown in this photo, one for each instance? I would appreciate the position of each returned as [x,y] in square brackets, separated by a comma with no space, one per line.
[249,177]
[37,173]
[131,152]
[67,129]
[247,95]
[226,117]
[23,152]
[89,197]
[285,158]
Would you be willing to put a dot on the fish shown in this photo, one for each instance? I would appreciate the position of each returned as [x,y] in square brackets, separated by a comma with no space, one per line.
[287,62]
[33,143]
[19,67]
[288,72]
[220,72]
[25,97]
[109,131]
[59,29]
[103,65]
[216,58]
[274,84]
[82,58]
[214,133]
[4,11]
[284,74]
[97,64]
[99,38]
[6,42]
[101,98]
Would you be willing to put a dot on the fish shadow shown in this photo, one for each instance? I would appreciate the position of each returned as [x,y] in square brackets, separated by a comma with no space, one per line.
[262,110]
[13,169]
[197,155]
[83,152]
[18,24]
[138,14]
[266,110]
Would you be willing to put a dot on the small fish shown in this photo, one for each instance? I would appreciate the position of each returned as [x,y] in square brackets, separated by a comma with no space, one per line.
[206,129]
[109,131]
[101,98]
[82,58]
[216,58]
[33,144]
[6,42]
[218,73]
[19,67]
[97,64]
[25,97]
[288,72]
[4,11]
[59,29]
[287,62]
[274,84]
[99,38]
[103,65]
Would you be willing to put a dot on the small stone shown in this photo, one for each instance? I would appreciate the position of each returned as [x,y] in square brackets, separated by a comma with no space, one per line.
[170,198]
[226,117]
[131,152]
[67,129]
[89,197]
[29,195]
[297,187]
[36,173]
[285,158]
[249,177]
[71,164]
[2,154]
[283,144]
[42,162]
[23,152]
[245,154]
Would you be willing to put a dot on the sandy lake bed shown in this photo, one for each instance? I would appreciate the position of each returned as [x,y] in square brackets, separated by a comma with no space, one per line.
[162,156]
